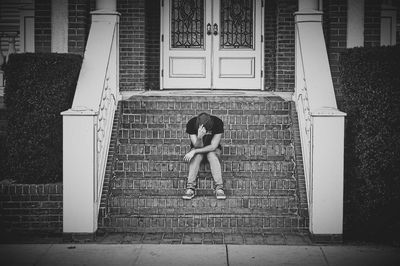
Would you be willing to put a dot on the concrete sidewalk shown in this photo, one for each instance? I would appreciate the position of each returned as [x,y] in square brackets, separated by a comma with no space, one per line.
[232,255]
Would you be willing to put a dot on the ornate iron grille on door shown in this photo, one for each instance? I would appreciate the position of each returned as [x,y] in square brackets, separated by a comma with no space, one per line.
[236,24]
[187,24]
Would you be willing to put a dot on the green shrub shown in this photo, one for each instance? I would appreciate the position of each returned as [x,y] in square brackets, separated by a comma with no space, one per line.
[371,87]
[38,88]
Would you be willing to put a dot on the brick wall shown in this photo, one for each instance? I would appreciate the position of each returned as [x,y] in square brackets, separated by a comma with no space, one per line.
[31,207]
[42,26]
[152,45]
[285,50]
[78,25]
[335,26]
[132,44]
[372,23]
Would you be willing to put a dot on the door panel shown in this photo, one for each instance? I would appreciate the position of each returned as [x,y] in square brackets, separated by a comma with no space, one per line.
[212,44]
[231,67]
[237,53]
[187,51]
[187,67]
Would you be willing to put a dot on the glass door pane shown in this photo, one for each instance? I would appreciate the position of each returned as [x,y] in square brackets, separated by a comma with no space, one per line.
[187,24]
[236,22]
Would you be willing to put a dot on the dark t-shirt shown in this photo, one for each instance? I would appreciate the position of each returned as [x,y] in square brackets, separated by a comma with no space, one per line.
[217,128]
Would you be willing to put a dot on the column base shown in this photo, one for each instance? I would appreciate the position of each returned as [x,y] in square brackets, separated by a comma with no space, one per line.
[79,237]
[326,238]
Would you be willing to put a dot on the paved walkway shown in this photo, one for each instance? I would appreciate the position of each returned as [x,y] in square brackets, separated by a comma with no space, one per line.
[169,254]
[160,238]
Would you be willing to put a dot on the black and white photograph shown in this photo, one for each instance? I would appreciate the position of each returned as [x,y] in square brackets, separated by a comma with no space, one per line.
[200,132]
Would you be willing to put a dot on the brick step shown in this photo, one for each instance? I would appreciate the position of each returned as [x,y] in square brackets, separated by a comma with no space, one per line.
[235,184]
[137,192]
[219,107]
[157,204]
[206,102]
[204,173]
[172,158]
[218,112]
[173,131]
[184,141]
[174,167]
[201,223]
[206,96]
[154,120]
[275,148]
[177,136]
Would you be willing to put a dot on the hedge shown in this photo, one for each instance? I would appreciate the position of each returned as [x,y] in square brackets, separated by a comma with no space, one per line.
[371,86]
[38,87]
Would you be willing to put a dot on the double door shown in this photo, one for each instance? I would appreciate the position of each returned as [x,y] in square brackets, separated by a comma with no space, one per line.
[212,44]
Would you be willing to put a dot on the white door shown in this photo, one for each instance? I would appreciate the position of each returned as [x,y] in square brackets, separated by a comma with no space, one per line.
[212,44]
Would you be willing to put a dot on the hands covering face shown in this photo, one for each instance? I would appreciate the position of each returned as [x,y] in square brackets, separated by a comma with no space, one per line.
[201,132]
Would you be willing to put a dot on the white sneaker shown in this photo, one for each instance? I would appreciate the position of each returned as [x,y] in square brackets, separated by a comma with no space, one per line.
[189,194]
[220,194]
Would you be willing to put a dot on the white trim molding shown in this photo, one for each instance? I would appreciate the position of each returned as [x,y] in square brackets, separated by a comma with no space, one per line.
[388,24]
[27,31]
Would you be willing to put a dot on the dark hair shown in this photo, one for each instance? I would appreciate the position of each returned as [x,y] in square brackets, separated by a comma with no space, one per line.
[205,120]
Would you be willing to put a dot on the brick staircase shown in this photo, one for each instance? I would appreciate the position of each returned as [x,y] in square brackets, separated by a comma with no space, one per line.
[146,174]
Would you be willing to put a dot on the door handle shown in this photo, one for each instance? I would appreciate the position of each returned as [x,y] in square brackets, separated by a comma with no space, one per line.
[209,29]
[215,29]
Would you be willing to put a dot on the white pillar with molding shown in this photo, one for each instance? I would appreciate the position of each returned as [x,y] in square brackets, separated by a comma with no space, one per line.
[87,126]
[327,172]
[79,134]
[321,123]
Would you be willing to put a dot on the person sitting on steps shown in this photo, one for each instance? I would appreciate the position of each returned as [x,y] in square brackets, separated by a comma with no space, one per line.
[205,132]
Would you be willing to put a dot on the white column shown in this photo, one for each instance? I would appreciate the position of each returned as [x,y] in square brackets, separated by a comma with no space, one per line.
[108,5]
[59,26]
[324,163]
[355,23]
[81,177]
[327,173]
[309,5]
[79,171]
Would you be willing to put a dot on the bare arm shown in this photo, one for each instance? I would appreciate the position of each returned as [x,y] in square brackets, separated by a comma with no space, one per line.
[212,147]
[197,142]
